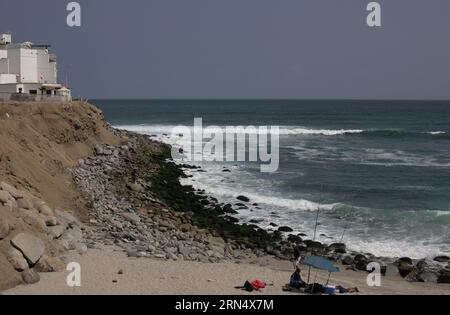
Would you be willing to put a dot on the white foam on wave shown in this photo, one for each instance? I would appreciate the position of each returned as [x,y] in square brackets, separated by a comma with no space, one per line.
[230,194]
[283,130]
[323,132]
[368,156]
[434,133]
[147,129]
[394,248]
[439,213]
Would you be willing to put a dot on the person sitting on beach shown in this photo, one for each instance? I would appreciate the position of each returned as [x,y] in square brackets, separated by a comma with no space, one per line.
[296,280]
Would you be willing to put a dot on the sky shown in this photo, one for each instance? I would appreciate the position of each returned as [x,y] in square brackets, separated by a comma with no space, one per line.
[268,49]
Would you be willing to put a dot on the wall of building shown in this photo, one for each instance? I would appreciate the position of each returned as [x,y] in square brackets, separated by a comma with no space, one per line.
[8,78]
[14,61]
[3,61]
[28,66]
[27,87]
[47,71]
[7,90]
[10,88]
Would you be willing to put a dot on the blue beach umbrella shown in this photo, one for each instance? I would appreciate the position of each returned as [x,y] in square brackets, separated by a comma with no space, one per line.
[319,263]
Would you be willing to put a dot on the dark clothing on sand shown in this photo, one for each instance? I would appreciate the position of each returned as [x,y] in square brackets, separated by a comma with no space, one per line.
[296,281]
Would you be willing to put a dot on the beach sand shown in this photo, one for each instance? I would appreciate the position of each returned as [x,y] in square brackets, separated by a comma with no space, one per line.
[142,276]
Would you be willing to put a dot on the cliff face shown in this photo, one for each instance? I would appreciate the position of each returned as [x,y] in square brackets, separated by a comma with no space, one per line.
[39,141]
[38,144]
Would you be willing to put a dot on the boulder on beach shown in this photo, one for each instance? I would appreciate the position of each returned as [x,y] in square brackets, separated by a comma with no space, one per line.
[313,244]
[131,217]
[30,276]
[337,248]
[5,196]
[442,259]
[243,198]
[49,264]
[15,193]
[294,239]
[360,262]
[45,210]
[24,203]
[405,260]
[444,276]
[31,247]
[56,231]
[405,266]
[66,218]
[347,260]
[17,260]
[285,229]
[136,187]
[361,265]
[4,228]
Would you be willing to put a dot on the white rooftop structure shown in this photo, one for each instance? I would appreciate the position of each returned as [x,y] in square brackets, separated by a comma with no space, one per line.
[29,72]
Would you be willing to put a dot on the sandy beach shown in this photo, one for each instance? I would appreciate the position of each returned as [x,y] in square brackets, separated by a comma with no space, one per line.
[100,275]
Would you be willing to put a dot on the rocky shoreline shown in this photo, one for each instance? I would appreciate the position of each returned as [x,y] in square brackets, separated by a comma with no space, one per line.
[137,203]
[124,211]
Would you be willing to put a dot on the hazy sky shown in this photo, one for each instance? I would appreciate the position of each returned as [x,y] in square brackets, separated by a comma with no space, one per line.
[243,48]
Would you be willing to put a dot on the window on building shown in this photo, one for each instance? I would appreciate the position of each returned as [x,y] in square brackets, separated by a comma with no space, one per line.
[34,92]
[49,92]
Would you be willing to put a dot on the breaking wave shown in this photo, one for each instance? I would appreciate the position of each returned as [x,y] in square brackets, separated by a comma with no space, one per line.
[286,130]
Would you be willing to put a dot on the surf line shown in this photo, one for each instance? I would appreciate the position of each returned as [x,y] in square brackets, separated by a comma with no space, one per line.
[219,144]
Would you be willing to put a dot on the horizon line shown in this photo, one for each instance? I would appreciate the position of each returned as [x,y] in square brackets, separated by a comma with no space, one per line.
[266,99]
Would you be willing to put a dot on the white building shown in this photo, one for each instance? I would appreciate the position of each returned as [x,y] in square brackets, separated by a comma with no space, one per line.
[29,72]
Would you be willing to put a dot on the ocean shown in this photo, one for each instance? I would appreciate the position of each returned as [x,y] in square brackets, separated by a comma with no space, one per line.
[378,172]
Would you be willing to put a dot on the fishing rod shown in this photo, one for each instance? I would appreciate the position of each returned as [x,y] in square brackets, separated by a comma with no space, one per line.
[316,224]
[343,233]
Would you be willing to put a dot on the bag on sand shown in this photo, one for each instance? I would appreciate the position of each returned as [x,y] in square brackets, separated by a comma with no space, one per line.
[258,285]
[255,285]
